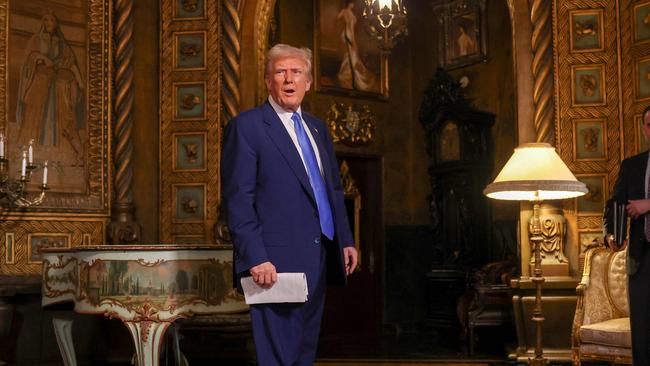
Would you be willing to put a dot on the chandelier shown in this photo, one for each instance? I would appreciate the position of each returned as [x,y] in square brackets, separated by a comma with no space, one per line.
[13,192]
[385,21]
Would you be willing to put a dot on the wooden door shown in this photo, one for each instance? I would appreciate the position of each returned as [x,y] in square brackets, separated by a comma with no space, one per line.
[353,315]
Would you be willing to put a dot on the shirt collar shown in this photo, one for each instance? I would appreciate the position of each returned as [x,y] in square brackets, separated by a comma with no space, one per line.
[283,113]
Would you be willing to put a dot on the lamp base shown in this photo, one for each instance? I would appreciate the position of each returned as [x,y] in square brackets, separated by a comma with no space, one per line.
[552,269]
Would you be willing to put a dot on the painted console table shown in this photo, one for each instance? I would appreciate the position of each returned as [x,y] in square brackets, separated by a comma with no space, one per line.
[146,287]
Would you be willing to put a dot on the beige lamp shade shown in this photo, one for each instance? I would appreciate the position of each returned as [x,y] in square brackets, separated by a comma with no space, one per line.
[535,172]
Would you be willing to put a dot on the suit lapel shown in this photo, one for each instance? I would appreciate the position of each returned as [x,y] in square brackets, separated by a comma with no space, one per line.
[280,137]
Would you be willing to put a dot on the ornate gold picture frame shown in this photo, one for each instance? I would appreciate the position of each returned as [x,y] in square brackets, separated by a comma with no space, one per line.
[57,94]
[38,241]
[589,139]
[586,30]
[592,203]
[641,20]
[588,85]
[642,78]
[190,51]
[346,59]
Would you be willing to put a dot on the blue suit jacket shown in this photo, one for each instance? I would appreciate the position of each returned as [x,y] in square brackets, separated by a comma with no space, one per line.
[270,206]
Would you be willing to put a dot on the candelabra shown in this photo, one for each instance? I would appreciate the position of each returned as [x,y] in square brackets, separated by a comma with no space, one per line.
[13,193]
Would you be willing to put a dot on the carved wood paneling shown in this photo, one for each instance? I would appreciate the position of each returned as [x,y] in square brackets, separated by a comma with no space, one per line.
[208,21]
[620,108]
[82,215]
[81,233]
[568,110]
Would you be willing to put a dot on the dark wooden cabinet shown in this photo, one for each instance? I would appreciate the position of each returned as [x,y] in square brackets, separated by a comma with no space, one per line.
[459,145]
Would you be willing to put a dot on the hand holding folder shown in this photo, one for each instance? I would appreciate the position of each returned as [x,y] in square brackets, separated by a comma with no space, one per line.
[290,287]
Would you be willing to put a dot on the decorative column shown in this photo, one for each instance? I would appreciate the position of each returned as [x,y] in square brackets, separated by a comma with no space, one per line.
[231,56]
[542,47]
[124,229]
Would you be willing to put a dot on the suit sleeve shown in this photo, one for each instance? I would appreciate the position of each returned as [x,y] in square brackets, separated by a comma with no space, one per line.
[619,195]
[341,222]
[239,178]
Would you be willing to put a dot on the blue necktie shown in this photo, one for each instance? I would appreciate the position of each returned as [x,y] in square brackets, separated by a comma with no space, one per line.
[315,178]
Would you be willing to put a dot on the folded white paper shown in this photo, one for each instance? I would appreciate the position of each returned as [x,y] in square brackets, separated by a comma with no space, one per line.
[290,287]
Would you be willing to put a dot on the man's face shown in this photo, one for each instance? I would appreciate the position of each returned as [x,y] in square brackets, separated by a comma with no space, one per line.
[288,81]
[646,126]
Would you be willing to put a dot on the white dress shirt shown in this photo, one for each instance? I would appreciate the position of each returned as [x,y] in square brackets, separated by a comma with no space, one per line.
[285,117]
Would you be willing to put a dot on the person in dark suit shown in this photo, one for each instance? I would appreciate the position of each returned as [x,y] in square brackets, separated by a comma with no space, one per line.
[631,189]
[285,209]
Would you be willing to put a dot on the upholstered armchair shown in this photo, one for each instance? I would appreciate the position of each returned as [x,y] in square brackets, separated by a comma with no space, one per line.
[601,326]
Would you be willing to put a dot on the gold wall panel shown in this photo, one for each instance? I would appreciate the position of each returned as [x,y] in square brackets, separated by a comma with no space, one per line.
[599,52]
[77,206]
[20,247]
[190,99]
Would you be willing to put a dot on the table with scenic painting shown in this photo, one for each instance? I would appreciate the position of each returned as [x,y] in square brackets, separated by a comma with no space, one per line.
[146,287]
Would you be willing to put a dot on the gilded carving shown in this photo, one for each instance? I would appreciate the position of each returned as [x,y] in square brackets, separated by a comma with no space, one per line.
[350,125]
[553,226]
[25,257]
[195,74]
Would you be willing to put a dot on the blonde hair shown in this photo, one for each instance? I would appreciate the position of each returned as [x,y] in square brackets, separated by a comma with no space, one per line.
[280,51]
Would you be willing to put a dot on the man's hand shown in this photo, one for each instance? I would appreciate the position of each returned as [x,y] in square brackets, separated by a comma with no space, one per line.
[351,258]
[264,274]
[636,208]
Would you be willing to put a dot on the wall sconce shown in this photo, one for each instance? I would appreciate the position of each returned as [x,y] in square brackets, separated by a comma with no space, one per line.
[386,21]
[12,192]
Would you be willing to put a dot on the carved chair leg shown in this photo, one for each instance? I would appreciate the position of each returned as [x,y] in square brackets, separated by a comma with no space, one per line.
[63,330]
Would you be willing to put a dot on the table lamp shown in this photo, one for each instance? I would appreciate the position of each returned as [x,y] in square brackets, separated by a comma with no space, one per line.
[535,173]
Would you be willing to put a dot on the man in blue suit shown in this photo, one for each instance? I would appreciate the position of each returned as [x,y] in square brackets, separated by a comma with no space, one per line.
[285,209]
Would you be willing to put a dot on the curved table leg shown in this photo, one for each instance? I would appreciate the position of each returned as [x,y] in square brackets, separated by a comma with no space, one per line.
[63,331]
[147,336]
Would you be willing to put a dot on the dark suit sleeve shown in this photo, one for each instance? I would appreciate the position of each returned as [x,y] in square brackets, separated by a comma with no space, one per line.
[239,178]
[341,222]
[620,195]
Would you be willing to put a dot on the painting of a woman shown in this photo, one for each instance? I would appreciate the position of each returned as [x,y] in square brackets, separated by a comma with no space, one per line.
[352,73]
[50,100]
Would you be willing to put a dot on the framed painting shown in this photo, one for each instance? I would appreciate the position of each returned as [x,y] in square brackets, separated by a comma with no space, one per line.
[189,9]
[189,101]
[587,85]
[189,51]
[586,27]
[38,241]
[190,151]
[55,85]
[190,202]
[642,78]
[346,59]
[641,20]
[593,202]
[589,139]
[462,38]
